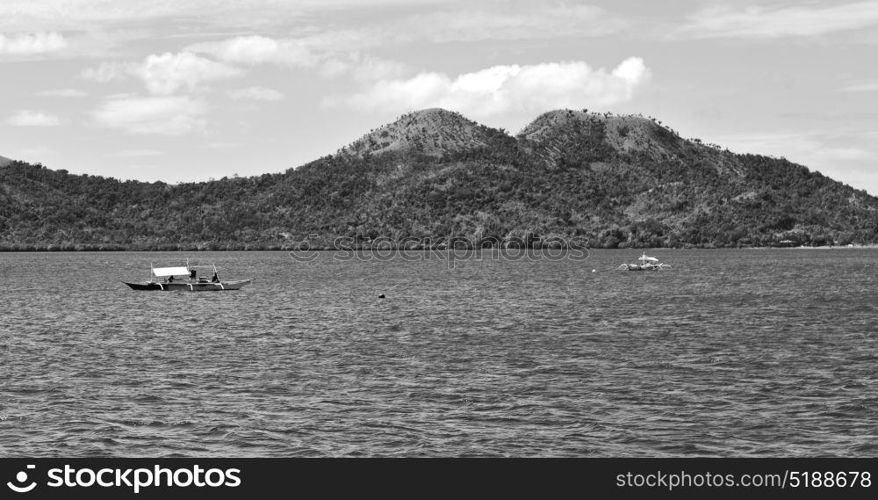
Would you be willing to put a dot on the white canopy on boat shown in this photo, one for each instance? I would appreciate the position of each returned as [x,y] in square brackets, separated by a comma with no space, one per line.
[648,259]
[169,271]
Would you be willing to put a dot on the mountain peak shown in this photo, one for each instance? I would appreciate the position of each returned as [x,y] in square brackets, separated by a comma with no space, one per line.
[564,119]
[432,132]
[434,113]
[559,130]
[4,161]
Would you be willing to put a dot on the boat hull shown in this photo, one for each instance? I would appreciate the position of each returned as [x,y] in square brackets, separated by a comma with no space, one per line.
[636,267]
[189,287]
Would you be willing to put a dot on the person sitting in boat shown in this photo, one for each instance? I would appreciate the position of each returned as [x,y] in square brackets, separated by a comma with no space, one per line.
[215,278]
[170,279]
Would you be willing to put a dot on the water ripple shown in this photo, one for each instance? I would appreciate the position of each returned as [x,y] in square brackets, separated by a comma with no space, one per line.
[732,353]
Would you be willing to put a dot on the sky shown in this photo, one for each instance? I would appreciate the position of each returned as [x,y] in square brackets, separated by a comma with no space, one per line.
[189,91]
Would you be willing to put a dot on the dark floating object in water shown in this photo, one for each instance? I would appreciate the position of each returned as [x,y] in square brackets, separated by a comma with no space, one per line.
[381,296]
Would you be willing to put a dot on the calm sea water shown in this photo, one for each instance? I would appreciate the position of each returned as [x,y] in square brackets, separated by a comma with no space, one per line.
[730,353]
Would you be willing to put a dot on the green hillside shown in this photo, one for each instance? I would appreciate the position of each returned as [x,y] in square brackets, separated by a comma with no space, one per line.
[611,181]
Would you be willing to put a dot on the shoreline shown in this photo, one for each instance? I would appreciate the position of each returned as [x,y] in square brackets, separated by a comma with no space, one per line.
[368,249]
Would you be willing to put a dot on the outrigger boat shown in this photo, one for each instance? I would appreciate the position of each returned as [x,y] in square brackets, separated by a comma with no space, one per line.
[169,279]
[644,264]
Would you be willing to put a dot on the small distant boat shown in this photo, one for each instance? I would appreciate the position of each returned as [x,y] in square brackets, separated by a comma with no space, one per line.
[644,263]
[185,279]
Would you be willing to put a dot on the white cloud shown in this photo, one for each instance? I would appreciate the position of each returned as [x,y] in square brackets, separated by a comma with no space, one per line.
[764,22]
[363,67]
[257,50]
[76,14]
[369,68]
[503,90]
[860,87]
[165,74]
[313,25]
[27,118]
[106,72]
[256,94]
[329,61]
[31,44]
[472,21]
[505,21]
[163,115]
[62,93]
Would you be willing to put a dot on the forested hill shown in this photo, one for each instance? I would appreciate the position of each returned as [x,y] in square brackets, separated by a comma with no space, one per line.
[4,161]
[613,181]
